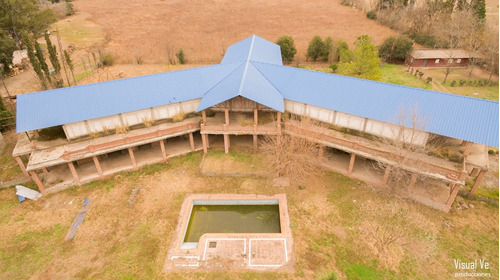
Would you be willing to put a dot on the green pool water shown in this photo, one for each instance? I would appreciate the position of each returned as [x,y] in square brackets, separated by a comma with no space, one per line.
[232,219]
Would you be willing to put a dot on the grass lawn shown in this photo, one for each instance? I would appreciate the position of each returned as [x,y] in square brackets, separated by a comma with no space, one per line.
[395,74]
[8,166]
[485,92]
[338,227]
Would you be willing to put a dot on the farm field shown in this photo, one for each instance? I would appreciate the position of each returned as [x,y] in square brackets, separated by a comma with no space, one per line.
[333,220]
[204,29]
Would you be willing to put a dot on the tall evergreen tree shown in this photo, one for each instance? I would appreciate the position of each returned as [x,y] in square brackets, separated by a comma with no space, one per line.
[34,60]
[41,60]
[70,65]
[52,54]
[7,47]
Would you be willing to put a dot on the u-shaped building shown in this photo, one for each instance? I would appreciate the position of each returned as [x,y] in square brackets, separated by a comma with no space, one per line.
[123,124]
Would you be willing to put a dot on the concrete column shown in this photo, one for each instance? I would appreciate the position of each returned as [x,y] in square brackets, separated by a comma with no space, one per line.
[468,146]
[163,151]
[132,157]
[45,170]
[36,133]
[38,182]
[204,142]
[73,172]
[97,166]
[226,115]
[207,138]
[191,141]
[226,143]
[204,117]
[255,138]
[474,172]
[255,116]
[351,164]
[387,174]
[321,152]
[454,188]
[478,182]
[23,168]
[413,180]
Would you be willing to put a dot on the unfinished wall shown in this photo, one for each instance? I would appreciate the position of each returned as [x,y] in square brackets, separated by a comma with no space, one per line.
[129,119]
[344,120]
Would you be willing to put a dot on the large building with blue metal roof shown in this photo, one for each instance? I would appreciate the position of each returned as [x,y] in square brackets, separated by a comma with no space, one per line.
[251,81]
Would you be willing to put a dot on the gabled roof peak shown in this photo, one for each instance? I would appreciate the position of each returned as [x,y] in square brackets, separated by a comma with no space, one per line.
[253,48]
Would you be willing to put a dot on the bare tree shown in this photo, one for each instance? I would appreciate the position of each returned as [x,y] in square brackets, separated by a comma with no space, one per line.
[490,49]
[408,143]
[291,155]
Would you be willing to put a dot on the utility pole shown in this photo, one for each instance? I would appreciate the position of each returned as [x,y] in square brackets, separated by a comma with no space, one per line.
[61,54]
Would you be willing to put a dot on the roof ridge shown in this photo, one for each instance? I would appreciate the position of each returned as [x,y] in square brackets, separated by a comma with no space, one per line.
[242,82]
[236,68]
[263,75]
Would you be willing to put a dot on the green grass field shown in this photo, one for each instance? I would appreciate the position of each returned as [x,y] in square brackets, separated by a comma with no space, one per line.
[395,74]
[337,225]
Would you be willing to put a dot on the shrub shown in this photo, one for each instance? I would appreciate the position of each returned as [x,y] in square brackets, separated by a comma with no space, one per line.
[180,56]
[316,48]
[491,152]
[462,82]
[428,80]
[426,40]
[287,46]
[396,48]
[371,15]
[328,276]
[179,117]
[420,74]
[334,67]
[416,72]
[480,83]
[453,83]
[107,59]
[70,10]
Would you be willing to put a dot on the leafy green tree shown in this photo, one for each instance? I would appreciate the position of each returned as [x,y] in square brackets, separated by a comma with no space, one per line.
[41,60]
[328,49]
[316,48]
[362,62]
[52,54]
[338,47]
[24,16]
[287,46]
[396,48]
[7,47]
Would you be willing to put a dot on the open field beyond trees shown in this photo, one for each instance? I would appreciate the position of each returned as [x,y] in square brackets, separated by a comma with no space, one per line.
[204,29]
[332,218]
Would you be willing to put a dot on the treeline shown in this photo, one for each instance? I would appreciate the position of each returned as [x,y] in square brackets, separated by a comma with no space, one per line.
[450,24]
[362,62]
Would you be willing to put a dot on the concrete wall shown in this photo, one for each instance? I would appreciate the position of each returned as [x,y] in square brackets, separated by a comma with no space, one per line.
[129,119]
[344,120]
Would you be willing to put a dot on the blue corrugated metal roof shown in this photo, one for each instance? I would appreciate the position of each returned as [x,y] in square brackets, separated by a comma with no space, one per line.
[72,104]
[252,68]
[248,81]
[451,115]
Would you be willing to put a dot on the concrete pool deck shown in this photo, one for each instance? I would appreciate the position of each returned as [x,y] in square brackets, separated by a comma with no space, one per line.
[254,251]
